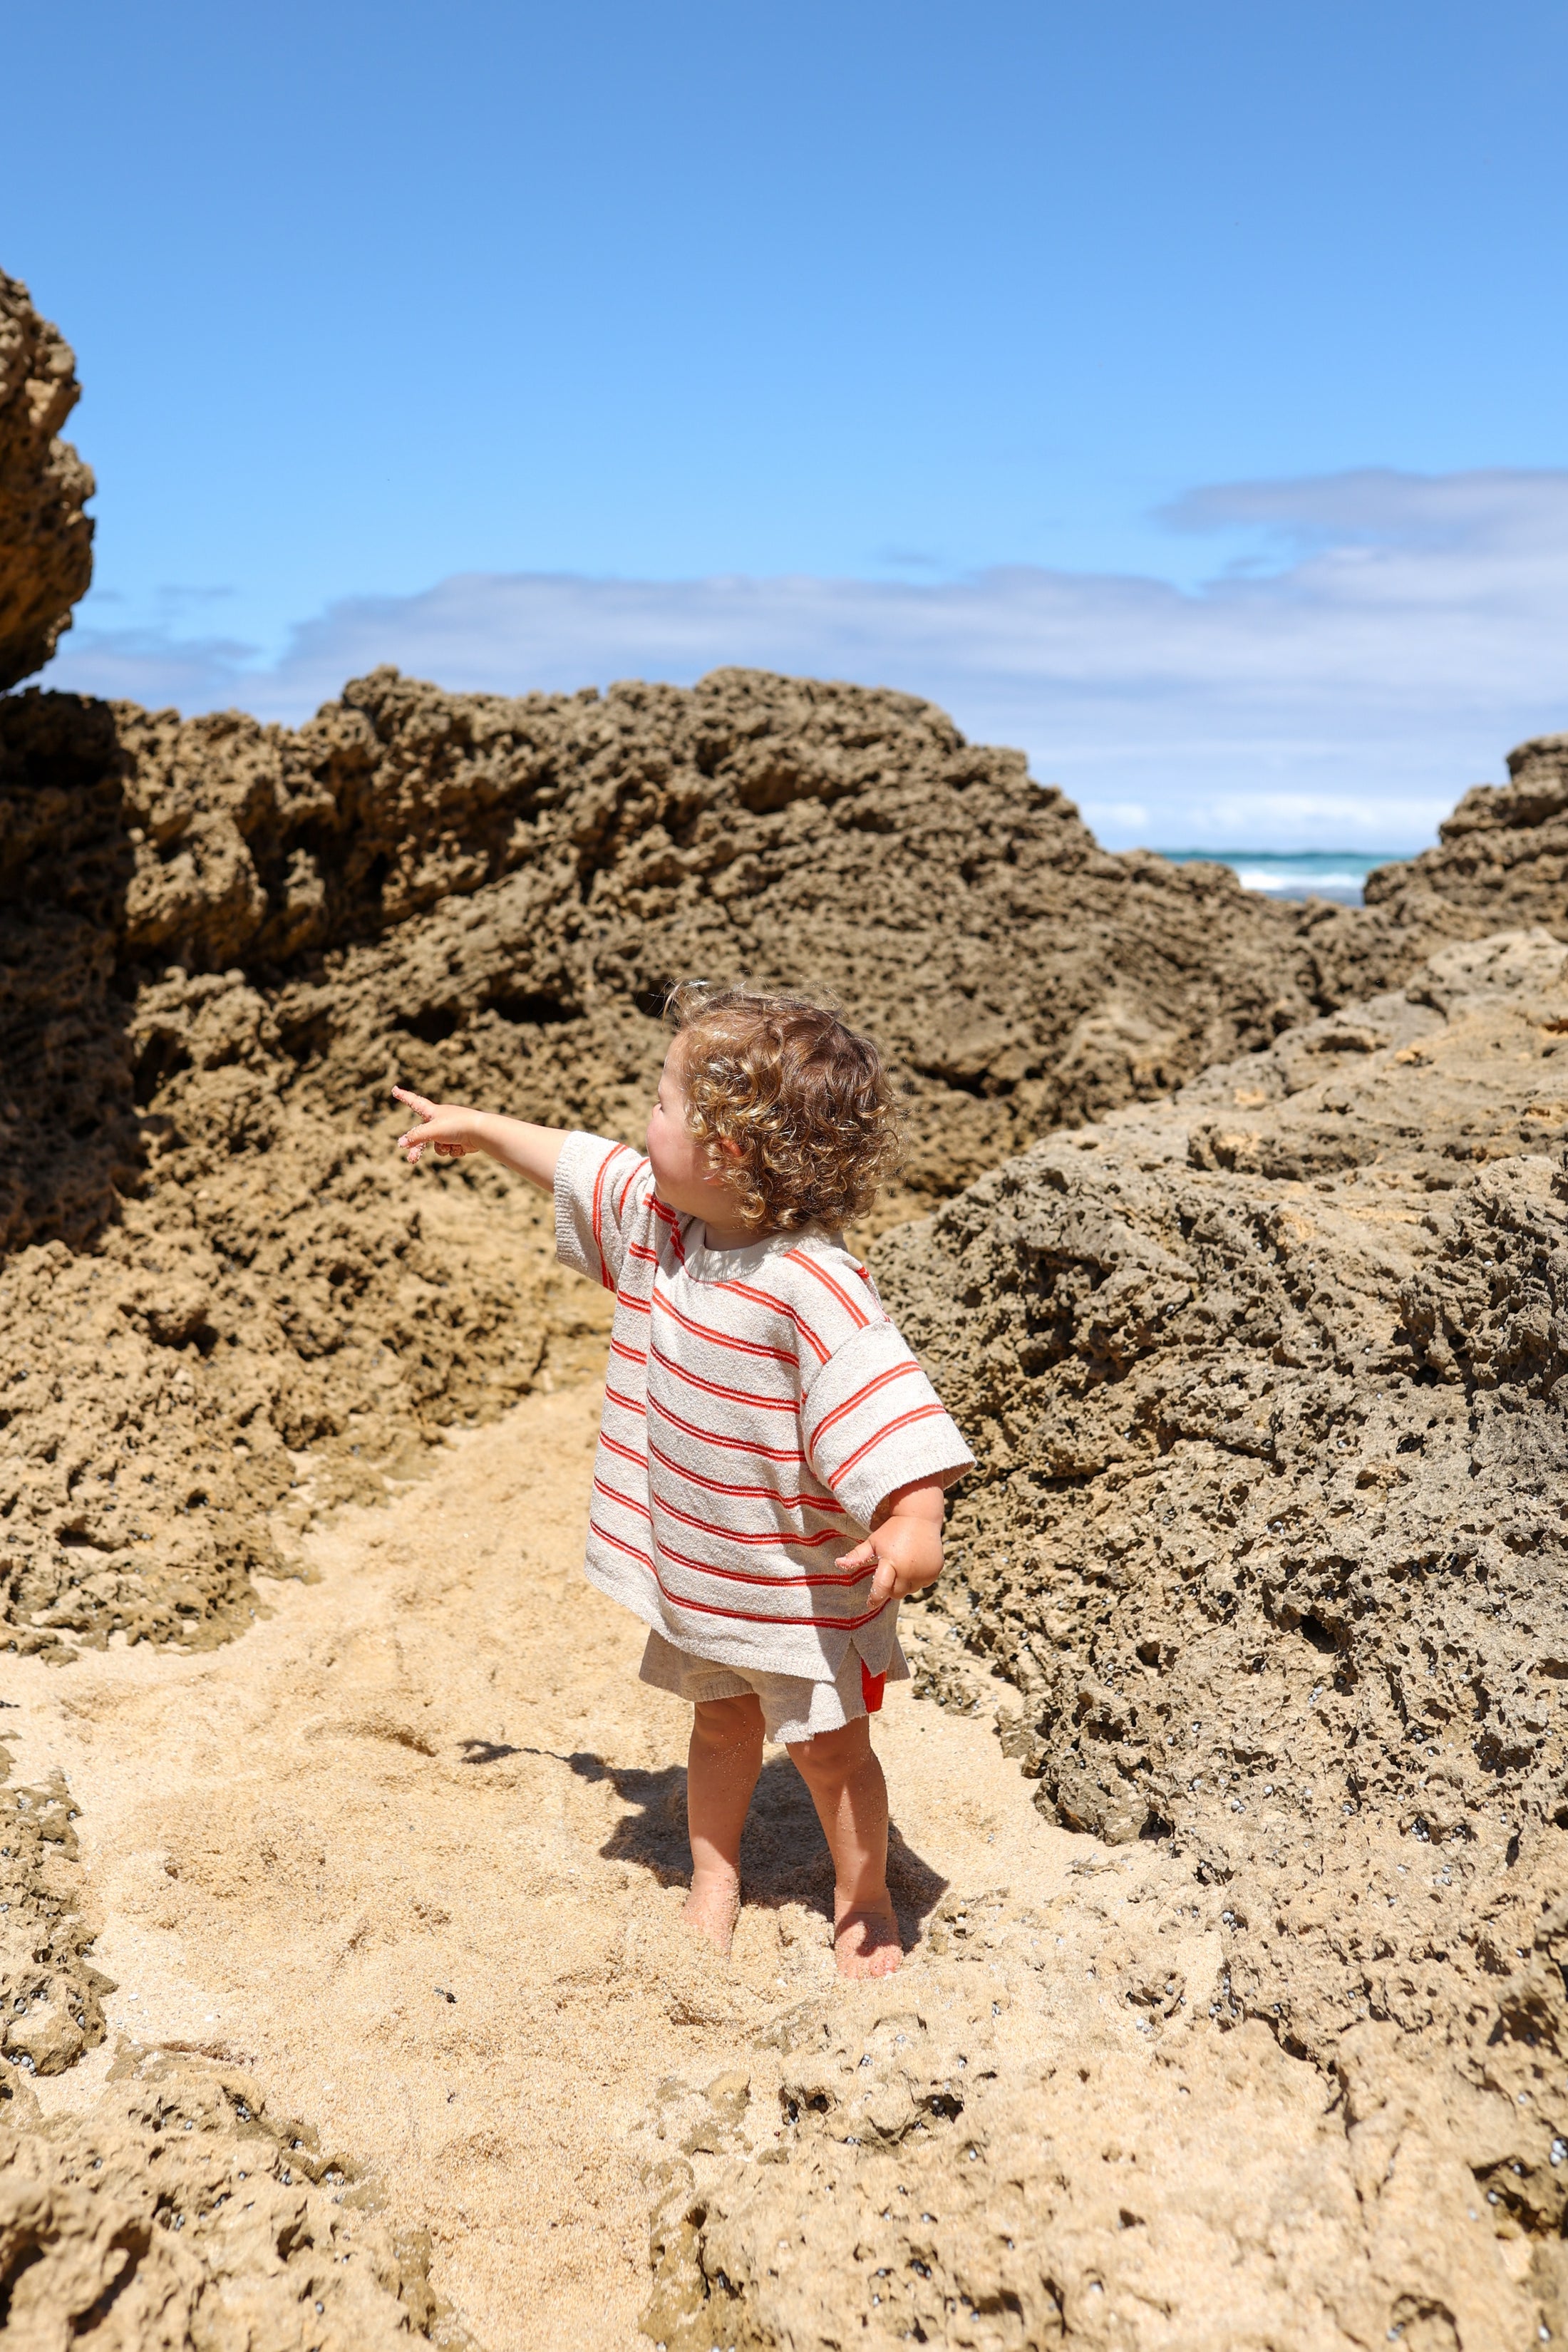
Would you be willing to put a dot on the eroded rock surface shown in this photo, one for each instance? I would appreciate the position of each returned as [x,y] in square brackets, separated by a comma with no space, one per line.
[1267,1535]
[52,2007]
[178,2213]
[220,944]
[46,537]
[174,2212]
[1266,1384]
[498,891]
[1502,856]
[1054,2133]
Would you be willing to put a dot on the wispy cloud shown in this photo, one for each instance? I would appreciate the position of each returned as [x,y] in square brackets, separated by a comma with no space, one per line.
[1387,640]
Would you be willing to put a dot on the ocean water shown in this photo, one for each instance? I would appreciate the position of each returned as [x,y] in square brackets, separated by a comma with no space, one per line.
[1296,874]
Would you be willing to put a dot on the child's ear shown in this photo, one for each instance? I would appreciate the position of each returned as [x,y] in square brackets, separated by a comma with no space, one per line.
[729,1146]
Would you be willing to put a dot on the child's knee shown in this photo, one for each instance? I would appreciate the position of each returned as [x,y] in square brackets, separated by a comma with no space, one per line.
[723,1723]
[833,1755]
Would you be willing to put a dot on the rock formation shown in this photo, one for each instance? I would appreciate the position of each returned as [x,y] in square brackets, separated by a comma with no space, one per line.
[1502,856]
[179,2212]
[50,2007]
[221,943]
[1266,1546]
[1262,1376]
[45,539]
[176,2210]
[1264,1382]
[515,883]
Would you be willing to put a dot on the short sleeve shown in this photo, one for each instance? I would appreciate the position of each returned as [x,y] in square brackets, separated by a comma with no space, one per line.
[599,1192]
[872,1422]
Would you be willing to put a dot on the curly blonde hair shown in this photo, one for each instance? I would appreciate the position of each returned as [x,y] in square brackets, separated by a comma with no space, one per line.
[805,1102]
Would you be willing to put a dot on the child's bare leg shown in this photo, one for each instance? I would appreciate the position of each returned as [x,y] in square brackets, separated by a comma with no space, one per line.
[725,1757]
[841,1771]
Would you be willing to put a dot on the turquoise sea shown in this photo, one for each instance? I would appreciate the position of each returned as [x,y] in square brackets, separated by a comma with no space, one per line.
[1297,873]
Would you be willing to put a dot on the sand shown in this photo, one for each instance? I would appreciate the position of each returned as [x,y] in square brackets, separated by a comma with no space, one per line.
[411,1853]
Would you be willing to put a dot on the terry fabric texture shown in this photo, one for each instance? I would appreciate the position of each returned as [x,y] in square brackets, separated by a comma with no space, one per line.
[794,1707]
[759,1407]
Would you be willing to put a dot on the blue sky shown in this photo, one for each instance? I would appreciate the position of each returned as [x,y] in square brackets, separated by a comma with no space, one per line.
[1176,391]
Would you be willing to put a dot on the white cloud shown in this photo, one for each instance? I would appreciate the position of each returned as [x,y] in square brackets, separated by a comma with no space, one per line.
[1395,634]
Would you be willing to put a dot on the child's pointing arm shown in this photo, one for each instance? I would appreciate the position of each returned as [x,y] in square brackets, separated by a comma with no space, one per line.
[452,1131]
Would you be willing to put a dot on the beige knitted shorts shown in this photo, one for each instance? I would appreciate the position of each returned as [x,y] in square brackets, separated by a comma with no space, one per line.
[794,1707]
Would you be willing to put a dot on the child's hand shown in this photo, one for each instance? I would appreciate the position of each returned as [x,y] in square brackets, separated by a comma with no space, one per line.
[449,1128]
[452,1130]
[904,1544]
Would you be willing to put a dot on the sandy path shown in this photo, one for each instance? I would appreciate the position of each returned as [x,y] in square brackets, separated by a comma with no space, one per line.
[434,1773]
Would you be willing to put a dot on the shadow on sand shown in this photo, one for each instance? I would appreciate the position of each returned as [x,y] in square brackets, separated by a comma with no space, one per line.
[784,1855]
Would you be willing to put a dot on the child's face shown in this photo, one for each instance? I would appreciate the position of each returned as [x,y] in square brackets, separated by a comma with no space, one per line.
[683,1170]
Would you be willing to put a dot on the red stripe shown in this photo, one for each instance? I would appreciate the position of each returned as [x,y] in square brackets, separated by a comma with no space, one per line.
[640,1510]
[598,1230]
[749,1493]
[857,1315]
[731,1444]
[733,1575]
[777,1537]
[624,1298]
[673,1222]
[893,1372]
[614,1396]
[781,1306]
[641,1249]
[722,1339]
[628,1355]
[717,1388]
[921,1413]
[826,1579]
[625,1188]
[823,1503]
[746,1616]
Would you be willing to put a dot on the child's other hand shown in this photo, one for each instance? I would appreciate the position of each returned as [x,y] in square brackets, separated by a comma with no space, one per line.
[904,1546]
[449,1128]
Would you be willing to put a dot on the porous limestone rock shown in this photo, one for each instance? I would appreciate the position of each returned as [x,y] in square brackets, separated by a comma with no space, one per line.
[1502,856]
[1264,1556]
[174,2211]
[52,2007]
[46,537]
[176,2214]
[221,943]
[1265,1385]
[500,891]
[1051,2131]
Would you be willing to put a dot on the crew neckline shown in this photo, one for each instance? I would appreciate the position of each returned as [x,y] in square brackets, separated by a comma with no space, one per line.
[707,1264]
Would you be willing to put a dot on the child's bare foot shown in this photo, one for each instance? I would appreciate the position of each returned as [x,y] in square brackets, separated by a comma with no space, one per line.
[712,1907]
[866,1941]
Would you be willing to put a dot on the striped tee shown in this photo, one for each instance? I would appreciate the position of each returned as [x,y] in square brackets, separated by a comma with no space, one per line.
[759,1407]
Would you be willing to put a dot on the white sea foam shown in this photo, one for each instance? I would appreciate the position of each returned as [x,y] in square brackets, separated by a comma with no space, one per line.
[1337,874]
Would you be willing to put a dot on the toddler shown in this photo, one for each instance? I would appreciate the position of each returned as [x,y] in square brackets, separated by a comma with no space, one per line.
[772,1460]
